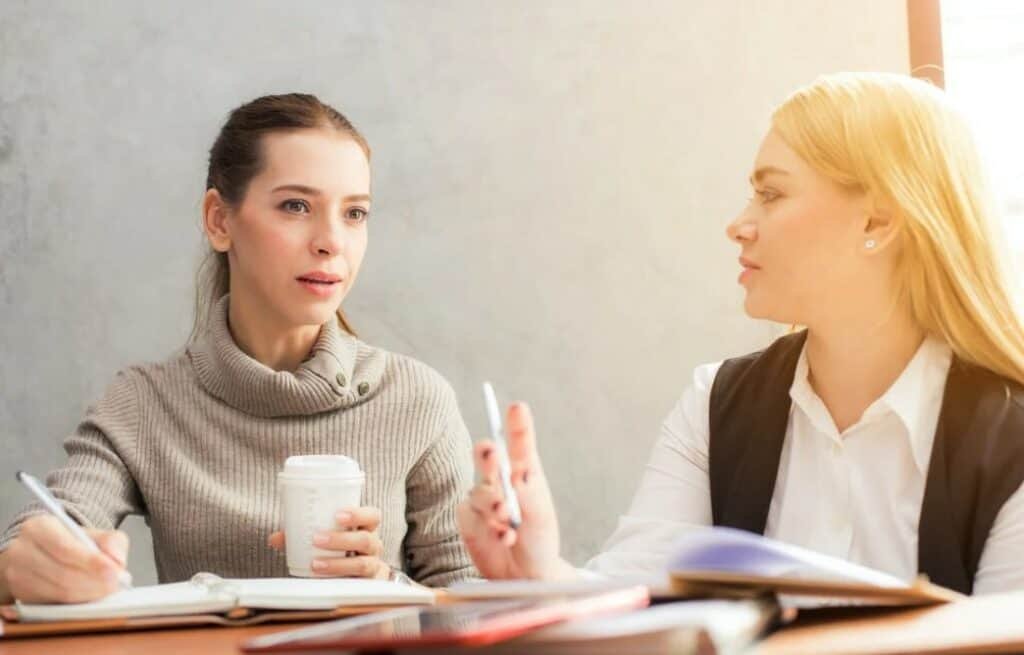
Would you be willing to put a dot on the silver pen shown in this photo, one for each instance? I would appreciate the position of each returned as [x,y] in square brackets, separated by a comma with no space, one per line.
[40,491]
[504,467]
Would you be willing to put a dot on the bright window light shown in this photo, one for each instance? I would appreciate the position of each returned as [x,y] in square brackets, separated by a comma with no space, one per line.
[983,53]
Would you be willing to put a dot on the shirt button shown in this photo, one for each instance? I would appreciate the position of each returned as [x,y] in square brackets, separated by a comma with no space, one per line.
[364,388]
[341,379]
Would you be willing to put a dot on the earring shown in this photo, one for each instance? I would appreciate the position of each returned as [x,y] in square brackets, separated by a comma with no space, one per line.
[869,244]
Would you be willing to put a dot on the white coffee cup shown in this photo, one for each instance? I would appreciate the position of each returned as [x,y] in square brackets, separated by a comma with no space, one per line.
[314,488]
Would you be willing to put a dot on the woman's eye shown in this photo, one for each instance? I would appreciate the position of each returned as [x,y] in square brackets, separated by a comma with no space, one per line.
[765,195]
[357,214]
[295,206]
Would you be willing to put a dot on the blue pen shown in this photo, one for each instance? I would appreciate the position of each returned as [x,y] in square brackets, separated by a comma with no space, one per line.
[504,468]
[40,491]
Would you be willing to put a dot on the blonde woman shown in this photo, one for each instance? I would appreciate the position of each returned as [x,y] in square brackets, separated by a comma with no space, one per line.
[889,432]
[273,369]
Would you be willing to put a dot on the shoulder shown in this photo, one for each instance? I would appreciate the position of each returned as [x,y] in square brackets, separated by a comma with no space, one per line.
[979,396]
[155,376]
[409,381]
[414,395]
[975,384]
[689,416]
[691,412]
[119,409]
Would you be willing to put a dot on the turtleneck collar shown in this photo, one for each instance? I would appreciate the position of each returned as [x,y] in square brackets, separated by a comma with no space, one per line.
[332,376]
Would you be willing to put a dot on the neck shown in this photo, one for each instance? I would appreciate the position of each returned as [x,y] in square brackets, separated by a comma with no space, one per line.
[279,347]
[851,364]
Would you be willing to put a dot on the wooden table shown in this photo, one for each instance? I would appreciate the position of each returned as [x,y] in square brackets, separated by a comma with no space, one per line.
[177,641]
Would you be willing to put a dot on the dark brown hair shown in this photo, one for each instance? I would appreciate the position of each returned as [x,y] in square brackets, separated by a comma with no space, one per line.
[237,156]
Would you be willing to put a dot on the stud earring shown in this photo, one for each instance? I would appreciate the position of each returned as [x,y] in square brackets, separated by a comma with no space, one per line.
[869,244]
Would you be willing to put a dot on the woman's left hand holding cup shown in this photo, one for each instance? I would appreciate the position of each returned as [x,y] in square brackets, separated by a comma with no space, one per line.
[356,542]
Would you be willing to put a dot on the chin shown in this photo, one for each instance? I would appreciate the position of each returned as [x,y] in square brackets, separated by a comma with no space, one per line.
[752,308]
[757,308]
[313,313]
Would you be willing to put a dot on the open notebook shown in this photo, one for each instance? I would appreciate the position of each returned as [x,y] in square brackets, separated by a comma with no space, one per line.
[727,562]
[207,598]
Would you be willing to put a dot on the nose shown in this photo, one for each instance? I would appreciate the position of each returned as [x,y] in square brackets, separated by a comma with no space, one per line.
[742,229]
[329,239]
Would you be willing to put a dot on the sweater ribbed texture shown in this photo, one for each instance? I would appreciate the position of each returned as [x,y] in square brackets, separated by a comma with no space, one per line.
[194,444]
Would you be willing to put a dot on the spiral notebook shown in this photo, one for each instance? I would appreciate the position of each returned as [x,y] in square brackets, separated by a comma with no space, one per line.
[207,598]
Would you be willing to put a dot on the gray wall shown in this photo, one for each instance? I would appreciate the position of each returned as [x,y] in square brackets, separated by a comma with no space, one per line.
[551,181]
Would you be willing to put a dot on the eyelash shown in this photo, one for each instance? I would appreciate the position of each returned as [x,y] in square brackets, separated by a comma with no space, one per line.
[289,205]
[363,214]
[766,195]
[293,201]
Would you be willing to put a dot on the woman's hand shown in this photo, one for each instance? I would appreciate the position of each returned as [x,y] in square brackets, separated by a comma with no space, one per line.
[498,550]
[356,534]
[46,564]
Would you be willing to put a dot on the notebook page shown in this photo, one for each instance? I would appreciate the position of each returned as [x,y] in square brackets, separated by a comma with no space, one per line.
[156,600]
[325,593]
[736,551]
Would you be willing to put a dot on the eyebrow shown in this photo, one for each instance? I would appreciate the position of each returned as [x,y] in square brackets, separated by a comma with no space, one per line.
[310,191]
[766,170]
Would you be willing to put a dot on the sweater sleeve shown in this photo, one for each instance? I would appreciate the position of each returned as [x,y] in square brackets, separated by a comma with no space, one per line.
[94,484]
[434,552]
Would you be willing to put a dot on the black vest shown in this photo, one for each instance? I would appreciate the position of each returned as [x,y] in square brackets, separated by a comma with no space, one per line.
[977,459]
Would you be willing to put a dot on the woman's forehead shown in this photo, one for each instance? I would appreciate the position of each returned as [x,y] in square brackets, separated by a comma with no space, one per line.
[330,161]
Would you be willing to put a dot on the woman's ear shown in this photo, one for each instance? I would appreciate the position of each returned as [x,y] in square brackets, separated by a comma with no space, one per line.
[215,221]
[880,230]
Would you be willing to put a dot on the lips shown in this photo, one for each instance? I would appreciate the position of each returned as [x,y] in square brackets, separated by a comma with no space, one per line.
[319,277]
[746,263]
[319,283]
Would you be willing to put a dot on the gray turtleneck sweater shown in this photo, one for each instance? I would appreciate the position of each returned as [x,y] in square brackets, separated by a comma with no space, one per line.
[194,444]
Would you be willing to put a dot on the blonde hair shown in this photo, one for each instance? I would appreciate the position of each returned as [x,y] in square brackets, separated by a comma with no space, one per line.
[899,140]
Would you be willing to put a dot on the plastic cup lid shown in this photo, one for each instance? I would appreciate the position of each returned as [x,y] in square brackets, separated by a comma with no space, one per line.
[321,466]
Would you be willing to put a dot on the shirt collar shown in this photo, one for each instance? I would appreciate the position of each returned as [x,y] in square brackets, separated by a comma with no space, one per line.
[915,398]
[337,373]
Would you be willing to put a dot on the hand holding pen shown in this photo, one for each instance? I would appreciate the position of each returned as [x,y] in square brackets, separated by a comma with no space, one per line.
[508,522]
[53,559]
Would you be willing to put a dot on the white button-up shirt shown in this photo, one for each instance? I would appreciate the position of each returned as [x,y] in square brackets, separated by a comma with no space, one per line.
[855,495]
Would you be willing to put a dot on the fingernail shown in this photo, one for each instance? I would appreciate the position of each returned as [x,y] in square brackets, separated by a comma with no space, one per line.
[344,517]
[320,539]
[319,565]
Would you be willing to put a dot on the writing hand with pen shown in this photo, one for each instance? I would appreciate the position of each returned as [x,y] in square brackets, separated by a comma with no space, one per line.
[55,560]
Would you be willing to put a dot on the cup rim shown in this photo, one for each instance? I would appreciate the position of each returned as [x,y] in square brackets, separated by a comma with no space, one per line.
[282,475]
